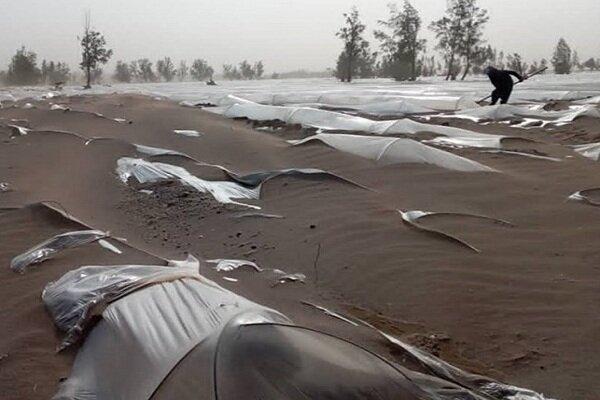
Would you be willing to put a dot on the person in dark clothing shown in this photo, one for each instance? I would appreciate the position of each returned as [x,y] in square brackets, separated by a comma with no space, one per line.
[502,81]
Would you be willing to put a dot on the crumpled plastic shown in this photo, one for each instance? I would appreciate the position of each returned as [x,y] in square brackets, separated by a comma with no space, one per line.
[243,186]
[81,295]
[56,244]
[145,171]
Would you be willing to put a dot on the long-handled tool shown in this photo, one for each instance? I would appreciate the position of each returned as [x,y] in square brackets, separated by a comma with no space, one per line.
[539,71]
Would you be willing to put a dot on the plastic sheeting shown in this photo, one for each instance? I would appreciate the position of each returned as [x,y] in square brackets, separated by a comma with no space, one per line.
[80,295]
[187,132]
[19,130]
[227,265]
[411,217]
[336,121]
[146,171]
[590,150]
[589,196]
[507,111]
[243,186]
[49,248]
[453,383]
[177,335]
[396,150]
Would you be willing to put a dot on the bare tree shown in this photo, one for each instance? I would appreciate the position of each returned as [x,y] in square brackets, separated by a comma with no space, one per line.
[94,52]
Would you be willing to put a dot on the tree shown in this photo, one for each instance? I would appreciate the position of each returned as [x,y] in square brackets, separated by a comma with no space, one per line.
[400,41]
[166,69]
[448,33]
[231,72]
[259,69]
[23,69]
[182,71]
[473,21]
[590,64]
[543,63]
[200,70]
[246,70]
[54,72]
[122,72]
[459,34]
[515,63]
[575,61]
[355,44]
[482,57]
[561,60]
[144,70]
[94,52]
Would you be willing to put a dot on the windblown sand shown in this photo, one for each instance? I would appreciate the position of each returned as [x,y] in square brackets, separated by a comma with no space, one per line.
[524,310]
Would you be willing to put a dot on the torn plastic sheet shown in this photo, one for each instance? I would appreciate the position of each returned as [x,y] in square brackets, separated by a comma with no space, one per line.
[507,111]
[59,107]
[398,108]
[223,191]
[109,246]
[227,265]
[244,186]
[18,130]
[330,313]
[589,196]
[157,151]
[295,277]
[476,387]
[187,132]
[336,121]
[395,150]
[48,248]
[410,218]
[590,150]
[165,337]
[522,154]
[80,295]
[259,178]
[257,215]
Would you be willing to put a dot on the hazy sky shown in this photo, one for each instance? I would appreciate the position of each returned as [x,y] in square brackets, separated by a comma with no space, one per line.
[285,34]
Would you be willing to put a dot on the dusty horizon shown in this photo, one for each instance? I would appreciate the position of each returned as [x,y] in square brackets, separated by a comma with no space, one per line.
[282,34]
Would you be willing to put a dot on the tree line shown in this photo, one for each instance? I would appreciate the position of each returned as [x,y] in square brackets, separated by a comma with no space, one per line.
[402,54]
[460,44]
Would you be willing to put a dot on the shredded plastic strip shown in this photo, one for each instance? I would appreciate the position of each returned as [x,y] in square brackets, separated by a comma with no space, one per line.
[49,248]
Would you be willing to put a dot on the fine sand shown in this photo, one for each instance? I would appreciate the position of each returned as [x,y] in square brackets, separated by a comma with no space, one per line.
[523,310]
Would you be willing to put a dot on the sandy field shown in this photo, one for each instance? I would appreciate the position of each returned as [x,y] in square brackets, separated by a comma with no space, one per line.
[514,297]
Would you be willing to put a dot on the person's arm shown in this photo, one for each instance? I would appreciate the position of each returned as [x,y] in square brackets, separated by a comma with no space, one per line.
[517,75]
